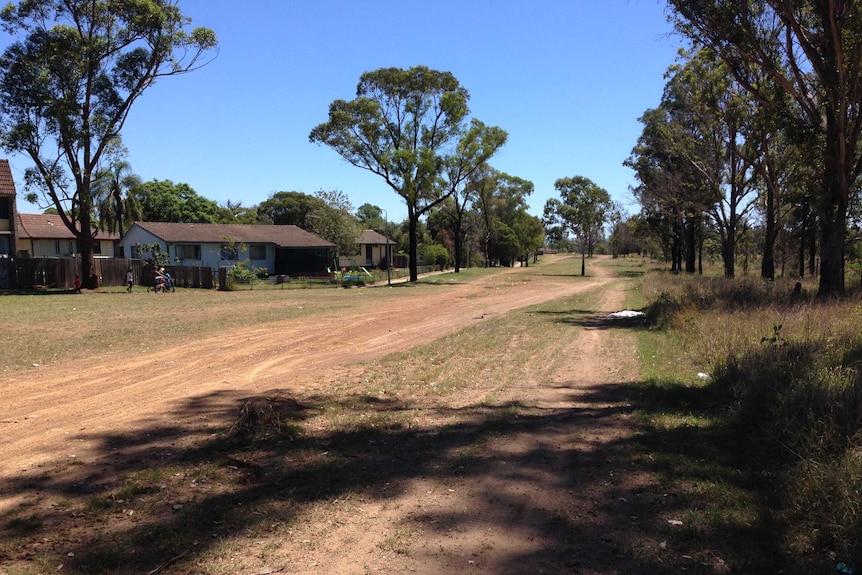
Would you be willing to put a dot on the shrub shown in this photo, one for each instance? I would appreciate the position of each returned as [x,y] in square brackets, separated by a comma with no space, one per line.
[436,254]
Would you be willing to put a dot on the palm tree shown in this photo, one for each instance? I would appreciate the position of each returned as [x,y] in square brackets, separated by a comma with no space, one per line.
[112,209]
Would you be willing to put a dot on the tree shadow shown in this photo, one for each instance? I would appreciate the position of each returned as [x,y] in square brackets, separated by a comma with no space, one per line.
[589,318]
[165,500]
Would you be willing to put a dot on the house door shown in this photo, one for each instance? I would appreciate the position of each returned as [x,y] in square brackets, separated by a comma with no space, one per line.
[369,255]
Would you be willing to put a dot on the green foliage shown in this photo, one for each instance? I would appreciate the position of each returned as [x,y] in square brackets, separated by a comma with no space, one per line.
[401,126]
[236,213]
[156,256]
[436,254]
[328,214]
[582,209]
[502,202]
[242,270]
[371,217]
[334,221]
[290,208]
[67,88]
[164,201]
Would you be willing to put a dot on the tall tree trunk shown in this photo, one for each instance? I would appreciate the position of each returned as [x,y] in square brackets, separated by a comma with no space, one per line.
[833,214]
[457,246]
[767,265]
[690,246]
[121,211]
[412,250]
[84,243]
[812,248]
[803,235]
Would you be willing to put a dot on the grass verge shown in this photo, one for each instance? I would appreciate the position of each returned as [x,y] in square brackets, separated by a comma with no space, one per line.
[754,392]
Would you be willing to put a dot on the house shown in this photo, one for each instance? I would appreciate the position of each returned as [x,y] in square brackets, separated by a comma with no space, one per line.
[7,211]
[372,251]
[45,235]
[281,250]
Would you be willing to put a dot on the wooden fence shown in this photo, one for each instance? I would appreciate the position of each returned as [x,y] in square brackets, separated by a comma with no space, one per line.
[59,273]
[183,276]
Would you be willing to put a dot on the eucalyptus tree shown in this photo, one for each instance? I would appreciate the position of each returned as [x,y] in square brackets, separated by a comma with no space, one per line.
[671,191]
[786,175]
[371,217]
[403,125]
[498,197]
[618,232]
[716,140]
[812,49]
[68,83]
[582,209]
[529,234]
[474,148]
[334,221]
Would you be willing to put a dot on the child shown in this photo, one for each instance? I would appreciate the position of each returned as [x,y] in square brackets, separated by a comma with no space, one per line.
[130,280]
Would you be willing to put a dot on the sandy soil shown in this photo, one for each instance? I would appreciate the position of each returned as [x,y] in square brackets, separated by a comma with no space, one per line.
[503,518]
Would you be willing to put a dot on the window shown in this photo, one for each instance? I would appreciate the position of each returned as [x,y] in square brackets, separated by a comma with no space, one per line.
[4,208]
[257,252]
[188,251]
[97,247]
[229,252]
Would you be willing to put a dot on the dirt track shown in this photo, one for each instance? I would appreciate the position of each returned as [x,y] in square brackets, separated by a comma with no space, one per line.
[70,412]
[49,412]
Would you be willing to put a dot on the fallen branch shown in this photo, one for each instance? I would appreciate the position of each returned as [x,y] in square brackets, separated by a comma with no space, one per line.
[170,561]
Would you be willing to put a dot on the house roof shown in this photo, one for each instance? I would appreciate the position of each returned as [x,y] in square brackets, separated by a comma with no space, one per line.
[51,227]
[7,184]
[280,235]
[374,238]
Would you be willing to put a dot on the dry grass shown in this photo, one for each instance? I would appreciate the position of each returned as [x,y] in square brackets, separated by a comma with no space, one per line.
[53,328]
[784,391]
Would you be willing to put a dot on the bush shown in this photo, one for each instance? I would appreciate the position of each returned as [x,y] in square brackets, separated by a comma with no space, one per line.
[436,254]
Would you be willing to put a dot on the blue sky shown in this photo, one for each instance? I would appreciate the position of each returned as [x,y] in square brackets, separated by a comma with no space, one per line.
[567,79]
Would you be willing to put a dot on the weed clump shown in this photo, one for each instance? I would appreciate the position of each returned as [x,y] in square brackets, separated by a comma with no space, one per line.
[264,417]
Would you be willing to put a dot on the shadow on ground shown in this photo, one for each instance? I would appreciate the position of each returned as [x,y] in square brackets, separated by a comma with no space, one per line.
[153,503]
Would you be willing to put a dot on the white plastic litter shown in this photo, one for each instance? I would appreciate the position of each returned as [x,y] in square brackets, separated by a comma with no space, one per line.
[626,313]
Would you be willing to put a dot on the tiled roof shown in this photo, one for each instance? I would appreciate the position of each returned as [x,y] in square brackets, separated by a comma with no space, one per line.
[50,227]
[7,184]
[372,237]
[284,236]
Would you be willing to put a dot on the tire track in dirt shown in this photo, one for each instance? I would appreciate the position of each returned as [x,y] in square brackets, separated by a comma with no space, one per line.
[495,518]
[53,412]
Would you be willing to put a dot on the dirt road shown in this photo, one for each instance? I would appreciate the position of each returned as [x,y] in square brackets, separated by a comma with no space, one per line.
[48,412]
[496,521]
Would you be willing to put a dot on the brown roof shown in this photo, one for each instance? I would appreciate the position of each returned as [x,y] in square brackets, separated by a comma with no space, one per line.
[50,227]
[374,238]
[7,184]
[284,236]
